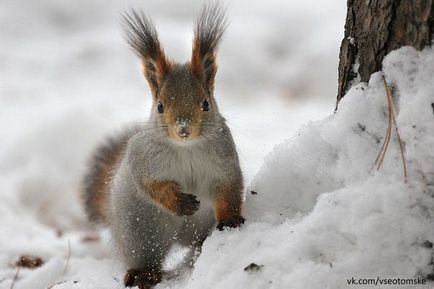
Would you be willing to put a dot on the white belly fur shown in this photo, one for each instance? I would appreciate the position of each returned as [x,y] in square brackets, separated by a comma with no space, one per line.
[196,173]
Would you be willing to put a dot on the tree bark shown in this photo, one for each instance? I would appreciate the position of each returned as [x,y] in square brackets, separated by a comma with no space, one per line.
[373,28]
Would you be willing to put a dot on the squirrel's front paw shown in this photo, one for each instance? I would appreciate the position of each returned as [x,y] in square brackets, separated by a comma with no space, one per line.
[233,222]
[186,204]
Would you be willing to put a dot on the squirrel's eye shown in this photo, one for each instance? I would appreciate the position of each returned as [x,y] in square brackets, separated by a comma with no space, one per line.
[205,105]
[160,107]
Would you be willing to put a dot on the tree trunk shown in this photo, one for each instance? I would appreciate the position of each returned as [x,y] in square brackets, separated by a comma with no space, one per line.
[373,28]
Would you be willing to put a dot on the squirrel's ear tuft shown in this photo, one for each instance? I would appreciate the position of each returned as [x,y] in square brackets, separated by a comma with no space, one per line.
[208,32]
[142,37]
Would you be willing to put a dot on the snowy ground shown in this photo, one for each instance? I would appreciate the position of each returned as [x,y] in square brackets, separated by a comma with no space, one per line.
[320,215]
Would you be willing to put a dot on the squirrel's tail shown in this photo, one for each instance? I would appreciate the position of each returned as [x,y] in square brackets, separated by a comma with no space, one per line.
[97,180]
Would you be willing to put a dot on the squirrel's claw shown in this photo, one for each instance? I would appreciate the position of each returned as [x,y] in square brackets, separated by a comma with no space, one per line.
[234,222]
[187,204]
[144,279]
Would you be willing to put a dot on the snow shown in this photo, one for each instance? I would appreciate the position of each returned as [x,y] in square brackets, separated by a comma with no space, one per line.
[326,212]
[321,215]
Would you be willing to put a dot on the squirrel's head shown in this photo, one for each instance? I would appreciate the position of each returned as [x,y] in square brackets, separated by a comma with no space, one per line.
[183,94]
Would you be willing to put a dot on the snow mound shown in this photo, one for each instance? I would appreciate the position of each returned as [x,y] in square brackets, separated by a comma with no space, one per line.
[318,214]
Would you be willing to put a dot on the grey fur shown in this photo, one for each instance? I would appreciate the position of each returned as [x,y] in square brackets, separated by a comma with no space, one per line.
[142,230]
[102,165]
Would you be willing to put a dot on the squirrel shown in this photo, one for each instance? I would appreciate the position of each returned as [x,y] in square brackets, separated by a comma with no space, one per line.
[176,177]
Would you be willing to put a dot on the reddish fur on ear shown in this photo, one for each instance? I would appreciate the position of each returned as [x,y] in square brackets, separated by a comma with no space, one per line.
[163,64]
[156,70]
[210,27]
[196,58]
[143,39]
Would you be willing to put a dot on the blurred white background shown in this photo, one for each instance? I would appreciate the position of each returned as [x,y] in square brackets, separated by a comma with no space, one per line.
[67,79]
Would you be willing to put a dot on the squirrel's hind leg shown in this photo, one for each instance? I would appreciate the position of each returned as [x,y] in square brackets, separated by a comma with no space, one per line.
[143,234]
[193,233]
[144,278]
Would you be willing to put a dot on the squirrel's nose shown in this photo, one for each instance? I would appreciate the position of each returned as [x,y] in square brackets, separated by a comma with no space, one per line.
[184,132]
[183,128]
